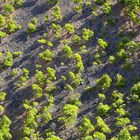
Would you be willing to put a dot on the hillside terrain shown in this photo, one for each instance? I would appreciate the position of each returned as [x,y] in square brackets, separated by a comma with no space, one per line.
[69,69]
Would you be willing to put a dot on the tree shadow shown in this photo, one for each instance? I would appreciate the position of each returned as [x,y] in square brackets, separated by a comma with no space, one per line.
[28,4]
[68,18]
[22,37]
[40,9]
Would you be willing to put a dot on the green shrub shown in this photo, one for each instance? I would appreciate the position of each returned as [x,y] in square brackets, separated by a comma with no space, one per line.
[58,35]
[116,95]
[2,34]
[75,101]
[56,27]
[87,34]
[99,135]
[47,55]
[78,8]
[87,138]
[5,121]
[135,138]
[86,127]
[8,62]
[104,82]
[69,87]
[49,43]
[30,121]
[79,65]
[25,138]
[38,66]
[74,79]
[69,27]
[24,77]
[97,58]
[18,53]
[120,111]
[50,88]
[112,59]
[68,51]
[63,78]
[45,116]
[123,42]
[56,13]
[83,49]
[46,18]
[12,26]
[118,103]
[29,131]
[100,1]
[131,128]
[102,125]
[31,27]
[122,54]
[124,135]
[8,8]
[135,90]
[103,109]
[133,14]
[64,41]
[40,77]
[42,41]
[121,122]
[14,72]
[103,44]
[121,81]
[25,72]
[34,21]
[70,113]
[132,9]
[49,132]
[77,1]
[1,54]
[37,90]
[2,20]
[51,74]
[76,39]
[107,7]
[2,109]
[101,96]
[52,137]
[117,99]
[5,124]
[130,2]
[2,96]
[132,46]
[18,2]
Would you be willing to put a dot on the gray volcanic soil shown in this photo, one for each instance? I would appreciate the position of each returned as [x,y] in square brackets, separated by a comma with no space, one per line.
[21,41]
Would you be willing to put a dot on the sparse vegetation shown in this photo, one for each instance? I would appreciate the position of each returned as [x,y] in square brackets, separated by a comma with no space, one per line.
[69,69]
